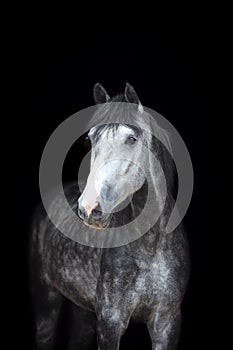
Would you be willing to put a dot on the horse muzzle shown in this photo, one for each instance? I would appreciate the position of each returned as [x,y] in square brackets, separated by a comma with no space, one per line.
[94,218]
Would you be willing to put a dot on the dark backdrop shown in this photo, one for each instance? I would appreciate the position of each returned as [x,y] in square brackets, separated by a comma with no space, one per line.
[174,72]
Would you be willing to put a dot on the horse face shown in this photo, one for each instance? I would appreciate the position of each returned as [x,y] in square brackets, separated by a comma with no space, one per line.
[117,164]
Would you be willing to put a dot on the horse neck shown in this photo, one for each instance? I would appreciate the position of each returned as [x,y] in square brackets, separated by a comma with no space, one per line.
[137,205]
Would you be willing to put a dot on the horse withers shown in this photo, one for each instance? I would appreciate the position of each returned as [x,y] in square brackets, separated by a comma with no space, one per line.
[143,280]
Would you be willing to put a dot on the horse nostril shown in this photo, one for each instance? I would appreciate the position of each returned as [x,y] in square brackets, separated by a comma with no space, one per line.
[81,212]
[97,213]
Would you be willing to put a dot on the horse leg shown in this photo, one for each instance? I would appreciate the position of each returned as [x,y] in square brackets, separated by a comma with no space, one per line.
[110,328]
[82,328]
[46,303]
[164,327]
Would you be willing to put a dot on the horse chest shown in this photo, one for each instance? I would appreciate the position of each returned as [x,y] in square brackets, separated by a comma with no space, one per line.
[74,271]
[154,279]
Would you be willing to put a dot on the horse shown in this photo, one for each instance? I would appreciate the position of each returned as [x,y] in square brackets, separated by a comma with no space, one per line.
[143,280]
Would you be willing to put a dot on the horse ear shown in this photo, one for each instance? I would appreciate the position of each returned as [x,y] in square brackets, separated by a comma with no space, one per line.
[132,97]
[100,94]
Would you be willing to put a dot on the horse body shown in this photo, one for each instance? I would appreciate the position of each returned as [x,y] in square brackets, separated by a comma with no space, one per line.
[144,280]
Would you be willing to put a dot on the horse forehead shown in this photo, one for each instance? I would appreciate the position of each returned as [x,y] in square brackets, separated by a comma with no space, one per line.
[121,131]
[124,130]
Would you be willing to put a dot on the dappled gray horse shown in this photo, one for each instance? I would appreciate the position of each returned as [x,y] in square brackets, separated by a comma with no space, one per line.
[143,280]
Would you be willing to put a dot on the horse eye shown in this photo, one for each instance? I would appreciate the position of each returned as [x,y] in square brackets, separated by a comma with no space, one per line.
[132,139]
[87,141]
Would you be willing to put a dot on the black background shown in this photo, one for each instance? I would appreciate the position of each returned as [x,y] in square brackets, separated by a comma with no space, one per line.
[174,69]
